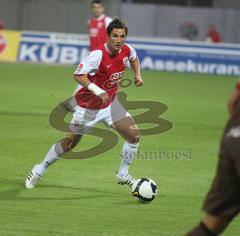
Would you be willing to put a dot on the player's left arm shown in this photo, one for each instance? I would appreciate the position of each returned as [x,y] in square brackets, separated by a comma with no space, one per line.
[135,65]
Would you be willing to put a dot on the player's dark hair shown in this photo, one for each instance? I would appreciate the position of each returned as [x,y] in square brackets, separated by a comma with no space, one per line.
[96,2]
[117,23]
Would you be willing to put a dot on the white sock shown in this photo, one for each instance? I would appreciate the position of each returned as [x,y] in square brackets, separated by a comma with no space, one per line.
[128,152]
[54,152]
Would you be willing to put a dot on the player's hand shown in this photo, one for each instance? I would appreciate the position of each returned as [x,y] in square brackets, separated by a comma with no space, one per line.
[138,80]
[105,97]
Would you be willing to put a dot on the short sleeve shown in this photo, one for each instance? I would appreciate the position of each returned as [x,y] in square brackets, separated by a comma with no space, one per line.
[133,53]
[90,64]
[107,21]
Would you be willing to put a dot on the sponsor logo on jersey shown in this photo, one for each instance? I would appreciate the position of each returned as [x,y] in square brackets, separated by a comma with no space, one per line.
[114,80]
[116,76]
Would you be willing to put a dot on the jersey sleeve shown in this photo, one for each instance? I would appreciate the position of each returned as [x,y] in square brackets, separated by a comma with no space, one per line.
[133,53]
[90,64]
[107,21]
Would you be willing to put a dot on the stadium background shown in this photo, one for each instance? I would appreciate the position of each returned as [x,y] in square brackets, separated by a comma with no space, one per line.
[146,19]
[80,197]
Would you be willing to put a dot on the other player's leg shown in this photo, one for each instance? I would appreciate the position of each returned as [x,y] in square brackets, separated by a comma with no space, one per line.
[210,226]
[222,202]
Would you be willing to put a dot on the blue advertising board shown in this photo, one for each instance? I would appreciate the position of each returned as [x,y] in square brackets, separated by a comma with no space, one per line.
[52,48]
[154,54]
[184,56]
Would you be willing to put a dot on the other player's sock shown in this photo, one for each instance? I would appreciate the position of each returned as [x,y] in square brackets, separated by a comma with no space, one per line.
[128,152]
[201,230]
[54,152]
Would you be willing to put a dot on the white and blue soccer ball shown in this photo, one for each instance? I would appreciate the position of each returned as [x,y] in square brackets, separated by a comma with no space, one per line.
[144,190]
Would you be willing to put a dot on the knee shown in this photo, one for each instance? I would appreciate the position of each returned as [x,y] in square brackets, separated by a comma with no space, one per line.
[216,224]
[135,138]
[68,144]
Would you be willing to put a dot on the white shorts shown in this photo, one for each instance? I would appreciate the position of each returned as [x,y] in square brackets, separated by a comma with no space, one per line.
[84,119]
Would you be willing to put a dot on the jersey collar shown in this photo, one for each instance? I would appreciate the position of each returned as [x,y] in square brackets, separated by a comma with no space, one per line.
[108,51]
[100,17]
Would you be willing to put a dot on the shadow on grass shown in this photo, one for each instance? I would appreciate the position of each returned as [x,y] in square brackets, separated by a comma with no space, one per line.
[16,191]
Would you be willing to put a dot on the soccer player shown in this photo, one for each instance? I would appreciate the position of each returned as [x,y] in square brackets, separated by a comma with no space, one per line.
[97,25]
[222,202]
[99,75]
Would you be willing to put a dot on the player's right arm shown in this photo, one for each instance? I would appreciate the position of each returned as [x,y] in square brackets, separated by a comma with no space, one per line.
[89,66]
[234,98]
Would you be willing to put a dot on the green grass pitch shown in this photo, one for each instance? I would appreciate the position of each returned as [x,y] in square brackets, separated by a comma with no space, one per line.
[81,197]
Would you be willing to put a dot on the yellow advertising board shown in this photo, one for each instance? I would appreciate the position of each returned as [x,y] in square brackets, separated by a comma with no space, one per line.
[9,44]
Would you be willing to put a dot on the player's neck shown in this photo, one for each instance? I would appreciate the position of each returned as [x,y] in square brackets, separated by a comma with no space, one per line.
[110,50]
[98,17]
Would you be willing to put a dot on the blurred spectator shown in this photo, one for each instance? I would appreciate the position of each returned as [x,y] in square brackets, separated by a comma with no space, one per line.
[97,25]
[189,30]
[213,35]
[1,25]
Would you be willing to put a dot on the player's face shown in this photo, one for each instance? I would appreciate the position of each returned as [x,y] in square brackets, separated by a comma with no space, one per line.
[116,39]
[97,10]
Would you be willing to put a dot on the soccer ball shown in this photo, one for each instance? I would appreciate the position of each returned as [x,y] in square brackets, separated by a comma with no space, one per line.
[144,190]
